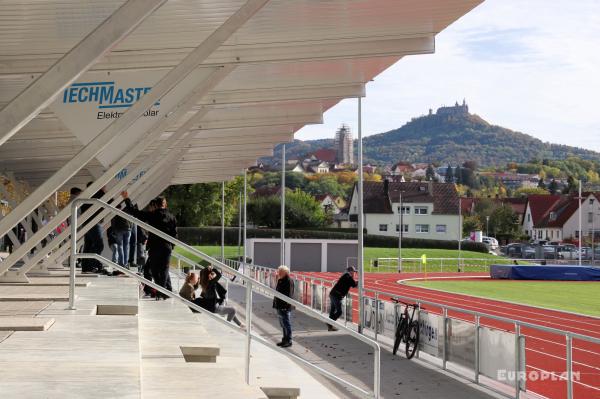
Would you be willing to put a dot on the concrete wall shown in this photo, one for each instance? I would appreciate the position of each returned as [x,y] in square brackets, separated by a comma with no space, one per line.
[304,255]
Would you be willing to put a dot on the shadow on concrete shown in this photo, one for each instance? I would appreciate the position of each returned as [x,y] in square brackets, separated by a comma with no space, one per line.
[351,359]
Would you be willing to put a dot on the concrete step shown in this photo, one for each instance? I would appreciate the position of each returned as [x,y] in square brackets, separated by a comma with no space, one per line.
[11,323]
[281,392]
[199,354]
[116,310]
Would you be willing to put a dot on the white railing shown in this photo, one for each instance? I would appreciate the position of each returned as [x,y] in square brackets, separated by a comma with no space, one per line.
[318,287]
[251,285]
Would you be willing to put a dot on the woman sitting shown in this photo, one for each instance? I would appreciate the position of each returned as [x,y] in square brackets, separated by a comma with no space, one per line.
[188,289]
[211,300]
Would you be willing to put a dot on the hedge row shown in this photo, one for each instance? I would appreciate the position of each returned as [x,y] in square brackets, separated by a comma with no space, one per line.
[212,236]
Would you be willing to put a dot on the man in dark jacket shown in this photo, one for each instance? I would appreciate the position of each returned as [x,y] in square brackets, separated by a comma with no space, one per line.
[337,294]
[159,250]
[92,240]
[284,309]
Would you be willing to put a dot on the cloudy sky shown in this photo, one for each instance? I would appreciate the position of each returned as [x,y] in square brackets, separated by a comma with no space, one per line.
[531,66]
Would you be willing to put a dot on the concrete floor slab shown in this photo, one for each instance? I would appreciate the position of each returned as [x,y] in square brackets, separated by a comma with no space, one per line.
[81,356]
[11,323]
[22,308]
[34,293]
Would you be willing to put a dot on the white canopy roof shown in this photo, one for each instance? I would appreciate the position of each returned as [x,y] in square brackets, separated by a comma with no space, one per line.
[292,60]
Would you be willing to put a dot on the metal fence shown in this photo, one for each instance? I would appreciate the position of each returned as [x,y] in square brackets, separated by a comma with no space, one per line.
[448,265]
[452,338]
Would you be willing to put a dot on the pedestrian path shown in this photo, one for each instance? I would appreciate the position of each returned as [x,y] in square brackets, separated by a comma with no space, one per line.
[350,359]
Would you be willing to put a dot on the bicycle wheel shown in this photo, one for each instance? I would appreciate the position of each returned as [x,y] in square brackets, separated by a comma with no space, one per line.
[399,334]
[412,339]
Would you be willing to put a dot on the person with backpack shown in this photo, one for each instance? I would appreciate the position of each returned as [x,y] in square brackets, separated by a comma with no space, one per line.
[213,295]
[337,294]
[284,309]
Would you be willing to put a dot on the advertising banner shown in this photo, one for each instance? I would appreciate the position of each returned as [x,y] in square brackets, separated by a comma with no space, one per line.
[390,319]
[431,334]
[461,343]
[497,355]
[96,99]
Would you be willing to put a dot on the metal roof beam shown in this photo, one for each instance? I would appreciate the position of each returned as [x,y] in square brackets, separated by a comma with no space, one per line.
[66,70]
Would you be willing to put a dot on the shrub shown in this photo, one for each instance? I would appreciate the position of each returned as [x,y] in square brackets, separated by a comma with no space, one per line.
[212,236]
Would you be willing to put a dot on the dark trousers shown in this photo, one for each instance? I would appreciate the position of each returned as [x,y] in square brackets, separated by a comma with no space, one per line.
[335,309]
[286,324]
[133,246]
[159,259]
[92,243]
[147,276]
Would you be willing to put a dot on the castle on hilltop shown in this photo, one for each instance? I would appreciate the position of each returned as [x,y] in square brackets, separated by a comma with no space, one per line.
[456,110]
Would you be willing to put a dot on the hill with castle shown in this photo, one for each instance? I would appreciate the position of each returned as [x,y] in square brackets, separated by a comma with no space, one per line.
[448,135]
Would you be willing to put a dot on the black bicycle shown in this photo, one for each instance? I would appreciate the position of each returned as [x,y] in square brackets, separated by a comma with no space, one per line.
[407,330]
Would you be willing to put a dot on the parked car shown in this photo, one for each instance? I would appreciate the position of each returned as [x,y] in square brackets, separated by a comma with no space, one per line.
[491,242]
[550,252]
[567,251]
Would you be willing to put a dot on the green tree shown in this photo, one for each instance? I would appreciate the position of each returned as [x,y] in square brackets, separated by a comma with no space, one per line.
[553,187]
[200,204]
[449,175]
[430,173]
[541,184]
[525,191]
[301,210]
[471,223]
[504,223]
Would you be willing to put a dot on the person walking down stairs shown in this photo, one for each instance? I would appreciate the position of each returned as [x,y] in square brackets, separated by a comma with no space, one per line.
[284,309]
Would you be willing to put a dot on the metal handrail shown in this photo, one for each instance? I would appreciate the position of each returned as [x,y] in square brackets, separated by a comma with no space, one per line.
[569,335]
[251,285]
[476,313]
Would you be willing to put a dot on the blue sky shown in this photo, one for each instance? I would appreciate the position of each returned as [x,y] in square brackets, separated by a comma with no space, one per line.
[531,66]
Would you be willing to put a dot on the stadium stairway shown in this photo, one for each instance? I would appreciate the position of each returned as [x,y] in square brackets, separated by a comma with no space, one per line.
[120,346]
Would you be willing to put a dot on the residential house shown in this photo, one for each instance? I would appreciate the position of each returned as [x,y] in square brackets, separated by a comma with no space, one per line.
[340,202]
[556,217]
[429,209]
[402,168]
[370,169]
[324,154]
[514,180]
[328,203]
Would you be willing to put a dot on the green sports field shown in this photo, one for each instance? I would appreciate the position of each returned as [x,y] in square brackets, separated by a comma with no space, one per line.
[579,297]
[391,266]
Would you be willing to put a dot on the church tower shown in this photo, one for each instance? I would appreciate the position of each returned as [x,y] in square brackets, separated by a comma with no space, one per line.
[343,144]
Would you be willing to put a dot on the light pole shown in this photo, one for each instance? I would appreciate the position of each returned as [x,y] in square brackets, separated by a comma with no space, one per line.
[360,255]
[282,255]
[487,226]
[580,223]
[222,221]
[459,229]
[400,231]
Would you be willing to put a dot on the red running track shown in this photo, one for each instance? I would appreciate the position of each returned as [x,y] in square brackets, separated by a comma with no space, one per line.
[544,352]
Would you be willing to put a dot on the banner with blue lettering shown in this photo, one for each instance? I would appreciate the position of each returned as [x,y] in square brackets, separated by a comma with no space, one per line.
[96,99]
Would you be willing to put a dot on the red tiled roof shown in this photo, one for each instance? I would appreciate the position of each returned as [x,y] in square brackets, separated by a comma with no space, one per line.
[540,206]
[325,154]
[466,205]
[443,196]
